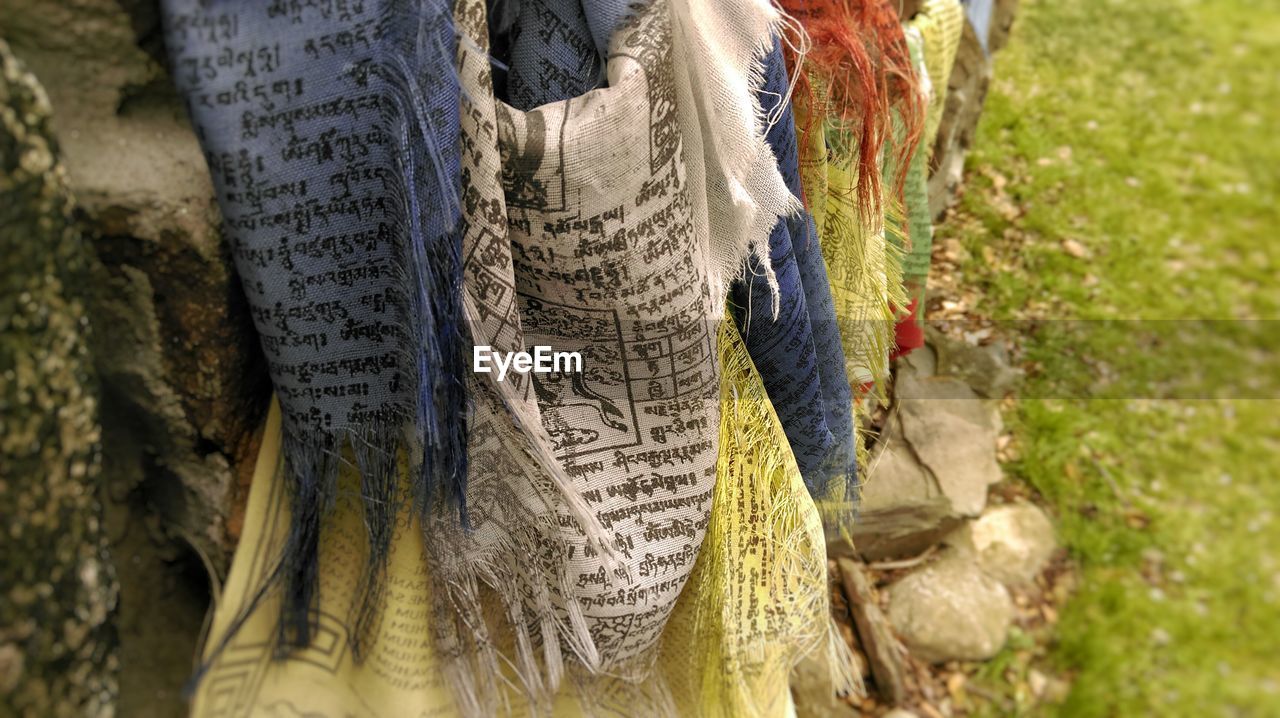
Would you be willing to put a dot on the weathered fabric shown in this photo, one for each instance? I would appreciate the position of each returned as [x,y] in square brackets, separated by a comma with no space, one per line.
[756,602]
[856,76]
[790,329]
[934,36]
[552,50]
[331,131]
[913,233]
[979,13]
[856,72]
[399,674]
[940,24]
[608,224]
[863,268]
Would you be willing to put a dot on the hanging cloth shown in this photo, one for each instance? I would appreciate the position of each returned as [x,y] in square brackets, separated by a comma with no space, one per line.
[791,331]
[551,50]
[979,13]
[917,239]
[940,23]
[608,224]
[863,268]
[332,135]
[856,70]
[934,37]
[756,603]
[855,76]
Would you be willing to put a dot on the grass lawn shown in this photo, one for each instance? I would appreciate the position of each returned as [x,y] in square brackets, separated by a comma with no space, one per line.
[1124,183]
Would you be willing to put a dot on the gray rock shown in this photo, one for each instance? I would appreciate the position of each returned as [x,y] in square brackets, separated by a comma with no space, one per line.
[932,466]
[985,368]
[1001,23]
[178,356]
[58,646]
[903,509]
[923,362]
[951,610]
[183,380]
[1012,543]
[953,432]
[966,93]
[813,693]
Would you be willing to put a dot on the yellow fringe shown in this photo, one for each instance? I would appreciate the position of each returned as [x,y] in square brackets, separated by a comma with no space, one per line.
[864,269]
[940,23]
[758,601]
[756,604]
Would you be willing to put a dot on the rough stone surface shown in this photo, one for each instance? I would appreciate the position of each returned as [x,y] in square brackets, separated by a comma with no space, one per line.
[183,382]
[932,465]
[811,690]
[985,368]
[178,358]
[1011,543]
[58,648]
[953,432]
[884,652]
[1001,23]
[950,610]
[903,509]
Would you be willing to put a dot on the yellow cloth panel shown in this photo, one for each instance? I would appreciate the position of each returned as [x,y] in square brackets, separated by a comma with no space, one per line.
[940,23]
[756,605]
[863,269]
[758,600]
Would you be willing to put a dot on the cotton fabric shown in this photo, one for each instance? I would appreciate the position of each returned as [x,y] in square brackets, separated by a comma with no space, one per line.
[610,224]
[917,239]
[332,135]
[857,76]
[790,328]
[756,603]
[606,213]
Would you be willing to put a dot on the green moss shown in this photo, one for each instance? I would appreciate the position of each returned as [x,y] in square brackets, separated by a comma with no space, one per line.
[1154,442]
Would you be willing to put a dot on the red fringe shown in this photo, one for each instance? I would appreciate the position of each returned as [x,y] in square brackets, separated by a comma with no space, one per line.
[908,335]
[859,54]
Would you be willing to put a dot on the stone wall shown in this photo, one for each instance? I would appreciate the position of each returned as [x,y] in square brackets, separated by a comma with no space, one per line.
[966,93]
[179,363]
[183,386]
[58,650]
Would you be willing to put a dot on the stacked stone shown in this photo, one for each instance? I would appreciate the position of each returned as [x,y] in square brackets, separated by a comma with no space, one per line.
[57,639]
